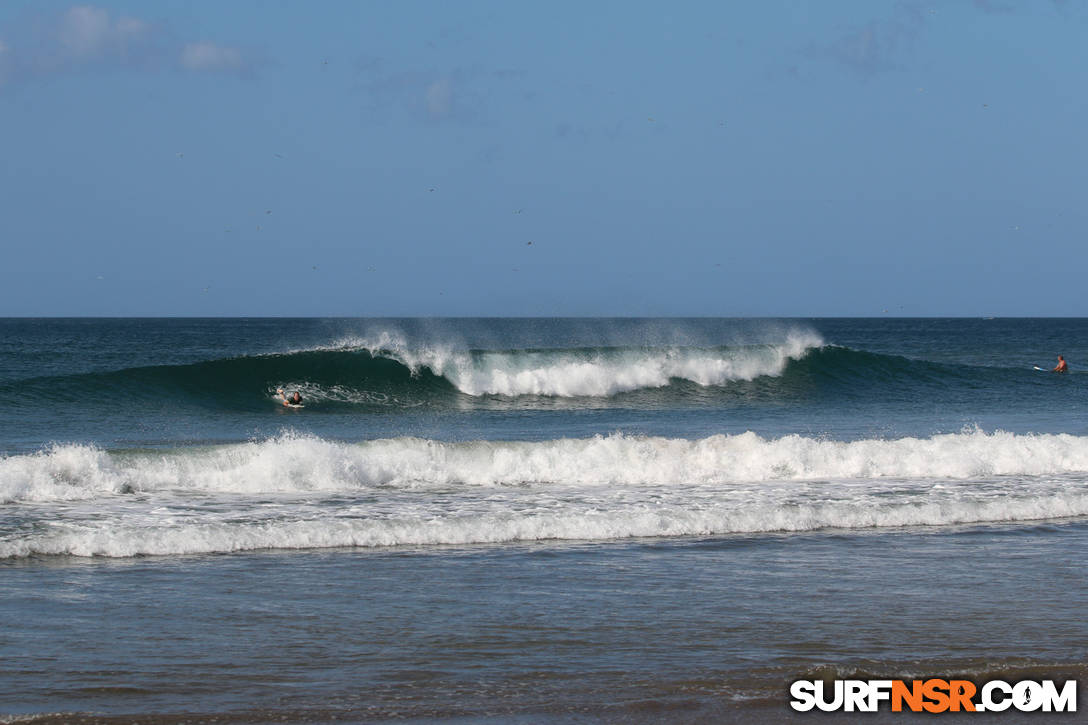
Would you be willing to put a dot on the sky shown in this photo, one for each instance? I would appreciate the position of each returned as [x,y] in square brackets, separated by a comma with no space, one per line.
[770,158]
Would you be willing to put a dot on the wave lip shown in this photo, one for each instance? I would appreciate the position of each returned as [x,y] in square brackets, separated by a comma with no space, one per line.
[591,372]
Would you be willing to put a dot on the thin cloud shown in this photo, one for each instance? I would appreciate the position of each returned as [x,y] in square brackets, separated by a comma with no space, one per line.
[211,57]
[458,95]
[439,98]
[86,32]
[85,37]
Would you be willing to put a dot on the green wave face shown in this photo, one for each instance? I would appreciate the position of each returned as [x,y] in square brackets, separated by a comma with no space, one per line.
[360,379]
[348,377]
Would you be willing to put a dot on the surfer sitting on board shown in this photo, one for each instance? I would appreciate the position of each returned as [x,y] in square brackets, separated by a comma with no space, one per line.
[295,399]
[1061,366]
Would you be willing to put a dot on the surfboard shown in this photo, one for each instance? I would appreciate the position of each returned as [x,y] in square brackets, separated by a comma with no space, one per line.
[283,400]
[1036,367]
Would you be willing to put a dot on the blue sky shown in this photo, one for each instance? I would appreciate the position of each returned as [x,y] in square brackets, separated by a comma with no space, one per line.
[562,158]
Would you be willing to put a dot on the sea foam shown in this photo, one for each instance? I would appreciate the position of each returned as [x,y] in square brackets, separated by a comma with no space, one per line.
[306,463]
[305,492]
[165,531]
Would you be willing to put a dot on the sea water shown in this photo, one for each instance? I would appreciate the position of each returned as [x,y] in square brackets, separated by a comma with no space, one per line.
[531,520]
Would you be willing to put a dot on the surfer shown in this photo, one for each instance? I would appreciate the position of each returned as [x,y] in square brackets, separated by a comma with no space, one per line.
[295,399]
[1061,367]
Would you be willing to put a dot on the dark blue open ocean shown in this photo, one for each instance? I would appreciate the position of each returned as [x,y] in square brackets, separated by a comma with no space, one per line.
[531,520]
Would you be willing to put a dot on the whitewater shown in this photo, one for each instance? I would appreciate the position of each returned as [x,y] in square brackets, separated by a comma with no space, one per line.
[594,372]
[304,492]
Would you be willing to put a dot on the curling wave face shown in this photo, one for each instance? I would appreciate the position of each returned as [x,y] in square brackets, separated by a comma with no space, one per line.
[590,372]
[305,492]
[384,373]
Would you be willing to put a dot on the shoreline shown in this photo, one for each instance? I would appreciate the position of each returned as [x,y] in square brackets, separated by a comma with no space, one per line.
[693,631]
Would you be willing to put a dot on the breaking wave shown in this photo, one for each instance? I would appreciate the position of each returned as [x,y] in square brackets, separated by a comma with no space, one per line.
[385,371]
[305,492]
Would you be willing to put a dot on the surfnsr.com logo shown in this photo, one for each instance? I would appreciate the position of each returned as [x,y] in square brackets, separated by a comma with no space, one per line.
[933,695]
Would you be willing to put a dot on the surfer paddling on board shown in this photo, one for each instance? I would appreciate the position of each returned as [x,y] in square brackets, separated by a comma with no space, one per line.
[1061,367]
[295,399]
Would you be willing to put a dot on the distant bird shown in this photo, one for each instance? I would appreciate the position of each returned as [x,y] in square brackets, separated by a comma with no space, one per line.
[431,189]
[258,227]
[1015,228]
[180,155]
[985,105]
[528,244]
[268,211]
[278,156]
[371,269]
[315,267]
[207,288]
[517,211]
[650,120]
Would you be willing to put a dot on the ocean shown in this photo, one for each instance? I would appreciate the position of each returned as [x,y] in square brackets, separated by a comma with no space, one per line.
[532,520]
